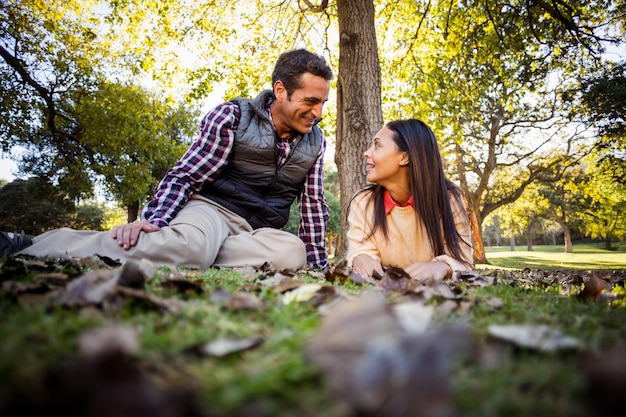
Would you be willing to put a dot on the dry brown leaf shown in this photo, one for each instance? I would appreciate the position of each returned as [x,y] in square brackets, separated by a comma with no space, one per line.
[397,280]
[52,278]
[109,339]
[376,368]
[327,294]
[287,283]
[341,273]
[170,305]
[93,287]
[301,294]
[225,346]
[244,301]
[413,317]
[183,285]
[538,337]
[593,288]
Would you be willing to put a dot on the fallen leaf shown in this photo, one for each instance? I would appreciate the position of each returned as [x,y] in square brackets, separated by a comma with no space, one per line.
[225,346]
[593,288]
[244,300]
[397,279]
[378,369]
[414,317]
[287,283]
[301,294]
[183,285]
[93,287]
[109,339]
[539,337]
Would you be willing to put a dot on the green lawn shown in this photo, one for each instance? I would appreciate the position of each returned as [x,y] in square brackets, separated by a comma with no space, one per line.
[42,372]
[584,257]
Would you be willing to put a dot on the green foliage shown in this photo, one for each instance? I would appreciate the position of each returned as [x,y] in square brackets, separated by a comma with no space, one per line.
[89,217]
[133,137]
[600,101]
[605,214]
[34,206]
[113,216]
[76,125]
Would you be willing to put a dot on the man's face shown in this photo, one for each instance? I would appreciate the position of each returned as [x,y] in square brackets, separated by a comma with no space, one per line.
[298,113]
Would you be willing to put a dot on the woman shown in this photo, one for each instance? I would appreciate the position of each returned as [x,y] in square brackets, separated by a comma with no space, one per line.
[411,217]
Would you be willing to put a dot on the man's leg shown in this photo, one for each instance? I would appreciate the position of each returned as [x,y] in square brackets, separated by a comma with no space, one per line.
[254,248]
[192,239]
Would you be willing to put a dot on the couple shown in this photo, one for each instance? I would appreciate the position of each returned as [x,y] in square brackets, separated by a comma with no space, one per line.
[224,202]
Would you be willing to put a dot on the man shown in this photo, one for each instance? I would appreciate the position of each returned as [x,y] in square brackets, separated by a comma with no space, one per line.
[225,200]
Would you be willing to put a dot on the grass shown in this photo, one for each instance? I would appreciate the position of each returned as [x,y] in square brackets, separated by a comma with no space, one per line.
[584,257]
[276,379]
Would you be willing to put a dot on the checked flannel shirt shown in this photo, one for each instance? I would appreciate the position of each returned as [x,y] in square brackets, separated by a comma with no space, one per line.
[209,154]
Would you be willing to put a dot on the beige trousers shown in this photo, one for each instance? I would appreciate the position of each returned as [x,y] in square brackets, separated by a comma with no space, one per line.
[203,234]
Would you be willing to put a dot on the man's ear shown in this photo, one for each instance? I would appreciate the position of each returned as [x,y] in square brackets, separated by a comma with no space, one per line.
[280,91]
[405,160]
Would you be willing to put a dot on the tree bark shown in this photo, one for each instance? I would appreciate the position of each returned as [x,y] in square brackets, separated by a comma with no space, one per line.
[567,237]
[132,211]
[359,105]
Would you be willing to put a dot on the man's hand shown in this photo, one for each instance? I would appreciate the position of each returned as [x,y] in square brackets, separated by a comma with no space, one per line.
[127,235]
[434,270]
[366,265]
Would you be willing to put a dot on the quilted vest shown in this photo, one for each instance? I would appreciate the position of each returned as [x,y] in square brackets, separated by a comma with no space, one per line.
[252,185]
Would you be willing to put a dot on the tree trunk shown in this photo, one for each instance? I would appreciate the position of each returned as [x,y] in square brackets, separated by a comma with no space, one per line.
[608,242]
[512,242]
[359,108]
[529,240]
[480,257]
[567,237]
[473,210]
[132,211]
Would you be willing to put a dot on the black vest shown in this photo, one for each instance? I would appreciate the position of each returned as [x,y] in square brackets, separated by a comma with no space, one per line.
[251,184]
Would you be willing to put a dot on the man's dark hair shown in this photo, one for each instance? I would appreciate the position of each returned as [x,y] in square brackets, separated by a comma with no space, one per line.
[291,65]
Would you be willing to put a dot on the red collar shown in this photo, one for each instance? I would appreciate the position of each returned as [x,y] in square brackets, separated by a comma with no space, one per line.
[390,203]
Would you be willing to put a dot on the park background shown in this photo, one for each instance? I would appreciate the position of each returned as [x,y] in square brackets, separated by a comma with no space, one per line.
[526,99]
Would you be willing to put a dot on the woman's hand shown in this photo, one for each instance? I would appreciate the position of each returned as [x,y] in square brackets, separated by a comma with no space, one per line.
[127,235]
[366,265]
[435,270]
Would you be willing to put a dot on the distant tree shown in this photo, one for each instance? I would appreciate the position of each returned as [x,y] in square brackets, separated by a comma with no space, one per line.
[600,101]
[551,230]
[89,216]
[605,215]
[565,193]
[35,206]
[61,103]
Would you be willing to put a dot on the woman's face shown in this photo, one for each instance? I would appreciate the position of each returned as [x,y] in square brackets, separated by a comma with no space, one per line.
[385,163]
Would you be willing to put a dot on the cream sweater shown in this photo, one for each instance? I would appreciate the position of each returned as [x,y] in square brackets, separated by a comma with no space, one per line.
[407,241]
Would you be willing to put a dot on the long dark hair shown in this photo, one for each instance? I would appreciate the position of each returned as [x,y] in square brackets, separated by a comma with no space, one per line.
[429,187]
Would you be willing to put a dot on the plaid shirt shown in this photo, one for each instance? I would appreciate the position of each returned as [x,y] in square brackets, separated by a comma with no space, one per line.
[204,161]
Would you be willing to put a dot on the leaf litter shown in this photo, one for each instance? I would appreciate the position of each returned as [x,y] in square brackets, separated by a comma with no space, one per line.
[378,350]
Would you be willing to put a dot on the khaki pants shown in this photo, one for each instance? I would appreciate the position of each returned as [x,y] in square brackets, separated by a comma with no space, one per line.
[203,234]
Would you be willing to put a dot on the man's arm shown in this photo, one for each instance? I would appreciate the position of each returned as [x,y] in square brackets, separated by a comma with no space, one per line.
[202,163]
[314,213]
